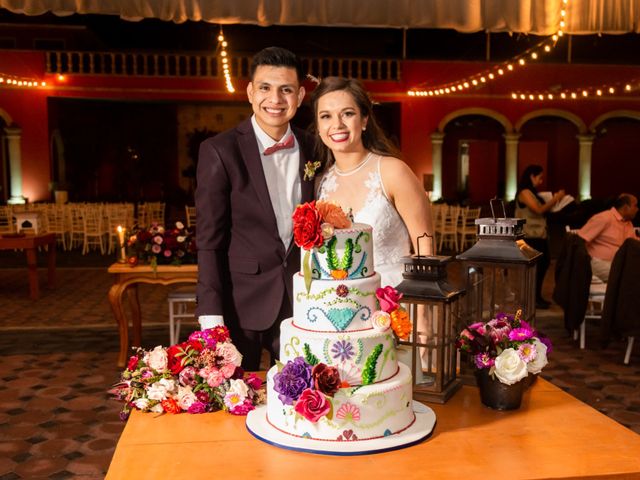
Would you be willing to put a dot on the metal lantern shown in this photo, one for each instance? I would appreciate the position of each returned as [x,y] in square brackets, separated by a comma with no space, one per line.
[433,306]
[500,271]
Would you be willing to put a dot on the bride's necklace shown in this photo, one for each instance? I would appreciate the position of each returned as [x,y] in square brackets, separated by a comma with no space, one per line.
[351,171]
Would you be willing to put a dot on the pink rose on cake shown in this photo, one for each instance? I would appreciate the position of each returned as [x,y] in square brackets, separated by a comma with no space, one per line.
[388,297]
[312,405]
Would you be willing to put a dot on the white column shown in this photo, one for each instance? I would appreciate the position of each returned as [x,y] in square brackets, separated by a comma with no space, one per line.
[511,165]
[15,165]
[436,164]
[584,166]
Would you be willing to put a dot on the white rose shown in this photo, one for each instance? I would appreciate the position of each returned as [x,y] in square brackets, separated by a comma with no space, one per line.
[540,361]
[179,225]
[509,367]
[381,321]
[239,387]
[157,359]
[141,403]
[157,408]
[185,397]
[157,391]
[169,384]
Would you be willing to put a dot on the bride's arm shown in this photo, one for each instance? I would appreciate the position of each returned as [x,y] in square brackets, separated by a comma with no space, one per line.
[408,196]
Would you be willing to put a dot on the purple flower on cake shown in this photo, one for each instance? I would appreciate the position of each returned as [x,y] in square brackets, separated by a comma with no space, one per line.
[342,350]
[312,405]
[292,380]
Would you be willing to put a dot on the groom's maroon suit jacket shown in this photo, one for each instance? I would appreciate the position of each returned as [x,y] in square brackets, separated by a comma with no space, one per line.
[244,271]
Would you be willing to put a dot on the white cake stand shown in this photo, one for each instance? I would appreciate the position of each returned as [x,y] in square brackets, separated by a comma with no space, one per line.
[420,430]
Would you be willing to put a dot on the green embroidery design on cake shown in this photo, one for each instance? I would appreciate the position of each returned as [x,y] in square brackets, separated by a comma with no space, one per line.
[369,372]
[360,351]
[309,357]
[330,291]
[388,352]
[290,348]
[339,267]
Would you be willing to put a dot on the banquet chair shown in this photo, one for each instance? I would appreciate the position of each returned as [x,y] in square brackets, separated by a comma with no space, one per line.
[622,301]
[94,231]
[179,300]
[56,223]
[6,219]
[75,225]
[118,214]
[467,228]
[447,227]
[191,215]
[151,212]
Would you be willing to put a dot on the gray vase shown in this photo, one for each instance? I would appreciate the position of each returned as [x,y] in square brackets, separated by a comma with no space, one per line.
[497,395]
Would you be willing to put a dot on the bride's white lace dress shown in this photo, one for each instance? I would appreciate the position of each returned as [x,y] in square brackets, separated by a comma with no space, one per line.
[361,191]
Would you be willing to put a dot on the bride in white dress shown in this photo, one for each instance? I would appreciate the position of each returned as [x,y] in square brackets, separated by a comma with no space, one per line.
[364,175]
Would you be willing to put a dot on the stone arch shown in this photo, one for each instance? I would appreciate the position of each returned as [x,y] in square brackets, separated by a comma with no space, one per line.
[487,112]
[553,112]
[8,121]
[633,114]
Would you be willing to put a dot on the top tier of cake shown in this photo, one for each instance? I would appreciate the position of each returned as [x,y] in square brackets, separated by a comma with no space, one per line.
[348,255]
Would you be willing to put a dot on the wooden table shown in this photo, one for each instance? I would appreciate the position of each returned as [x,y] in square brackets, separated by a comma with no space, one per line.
[127,279]
[553,435]
[30,244]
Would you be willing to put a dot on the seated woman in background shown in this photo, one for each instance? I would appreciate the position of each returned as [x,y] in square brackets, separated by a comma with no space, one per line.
[530,206]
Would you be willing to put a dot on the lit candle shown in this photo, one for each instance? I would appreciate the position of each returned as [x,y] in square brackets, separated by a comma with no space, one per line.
[123,250]
[120,235]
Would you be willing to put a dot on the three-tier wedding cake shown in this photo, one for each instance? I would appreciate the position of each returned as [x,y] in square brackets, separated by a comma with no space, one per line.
[338,387]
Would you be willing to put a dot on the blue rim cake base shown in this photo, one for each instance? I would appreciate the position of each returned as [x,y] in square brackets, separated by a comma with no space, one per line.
[421,429]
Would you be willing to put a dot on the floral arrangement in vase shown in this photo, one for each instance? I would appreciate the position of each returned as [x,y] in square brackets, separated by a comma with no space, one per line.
[508,347]
[200,375]
[157,245]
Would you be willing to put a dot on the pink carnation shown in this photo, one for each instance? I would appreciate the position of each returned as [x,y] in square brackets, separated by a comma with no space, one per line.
[228,370]
[242,408]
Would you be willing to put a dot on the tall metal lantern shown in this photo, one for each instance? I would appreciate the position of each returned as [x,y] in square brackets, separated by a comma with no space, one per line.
[500,271]
[434,310]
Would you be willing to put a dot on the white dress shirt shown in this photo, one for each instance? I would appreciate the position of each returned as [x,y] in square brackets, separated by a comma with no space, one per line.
[283,181]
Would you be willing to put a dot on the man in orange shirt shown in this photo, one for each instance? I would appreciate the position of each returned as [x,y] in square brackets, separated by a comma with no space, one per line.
[606,231]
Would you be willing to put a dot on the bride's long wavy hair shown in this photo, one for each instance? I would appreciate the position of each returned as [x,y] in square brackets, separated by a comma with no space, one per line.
[373,138]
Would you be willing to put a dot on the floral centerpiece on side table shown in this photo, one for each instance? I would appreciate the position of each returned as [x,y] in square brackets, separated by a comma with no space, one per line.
[504,350]
[200,375]
[157,245]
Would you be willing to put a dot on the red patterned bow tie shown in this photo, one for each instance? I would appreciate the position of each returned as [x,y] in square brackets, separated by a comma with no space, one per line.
[287,143]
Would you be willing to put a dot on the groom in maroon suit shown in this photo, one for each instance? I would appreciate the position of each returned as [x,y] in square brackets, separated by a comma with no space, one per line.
[250,179]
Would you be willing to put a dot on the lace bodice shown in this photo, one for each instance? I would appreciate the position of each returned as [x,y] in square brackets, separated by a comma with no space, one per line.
[363,193]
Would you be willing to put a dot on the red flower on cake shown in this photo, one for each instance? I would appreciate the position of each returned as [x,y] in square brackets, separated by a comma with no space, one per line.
[312,405]
[307,231]
[326,379]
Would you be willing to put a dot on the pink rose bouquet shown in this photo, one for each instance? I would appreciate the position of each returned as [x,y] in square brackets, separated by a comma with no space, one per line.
[200,375]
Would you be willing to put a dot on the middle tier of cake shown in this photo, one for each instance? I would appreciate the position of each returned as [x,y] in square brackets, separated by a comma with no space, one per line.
[335,305]
[348,351]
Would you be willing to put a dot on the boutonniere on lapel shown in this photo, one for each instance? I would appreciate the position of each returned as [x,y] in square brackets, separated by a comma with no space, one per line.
[310,169]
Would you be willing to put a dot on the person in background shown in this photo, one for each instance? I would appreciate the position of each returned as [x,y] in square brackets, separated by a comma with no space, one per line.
[531,207]
[365,176]
[250,180]
[606,231]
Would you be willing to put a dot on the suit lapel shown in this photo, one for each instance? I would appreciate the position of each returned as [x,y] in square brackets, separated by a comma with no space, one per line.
[249,150]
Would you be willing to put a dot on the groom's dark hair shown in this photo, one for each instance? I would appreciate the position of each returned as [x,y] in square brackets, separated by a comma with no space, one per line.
[277,57]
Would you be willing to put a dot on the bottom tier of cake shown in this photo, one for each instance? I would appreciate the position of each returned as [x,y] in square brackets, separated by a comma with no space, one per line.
[357,413]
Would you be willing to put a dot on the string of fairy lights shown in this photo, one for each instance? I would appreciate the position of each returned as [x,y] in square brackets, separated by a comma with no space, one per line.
[226,61]
[20,82]
[579,93]
[482,78]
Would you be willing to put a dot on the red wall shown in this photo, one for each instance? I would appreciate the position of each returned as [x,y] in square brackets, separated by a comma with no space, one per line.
[420,116]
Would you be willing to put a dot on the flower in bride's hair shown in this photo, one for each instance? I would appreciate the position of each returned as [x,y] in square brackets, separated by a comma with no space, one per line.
[333,214]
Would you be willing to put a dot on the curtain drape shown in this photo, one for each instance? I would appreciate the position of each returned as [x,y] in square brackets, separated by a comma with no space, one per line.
[530,16]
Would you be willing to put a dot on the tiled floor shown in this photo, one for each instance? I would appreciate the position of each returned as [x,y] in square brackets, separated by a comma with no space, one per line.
[58,358]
